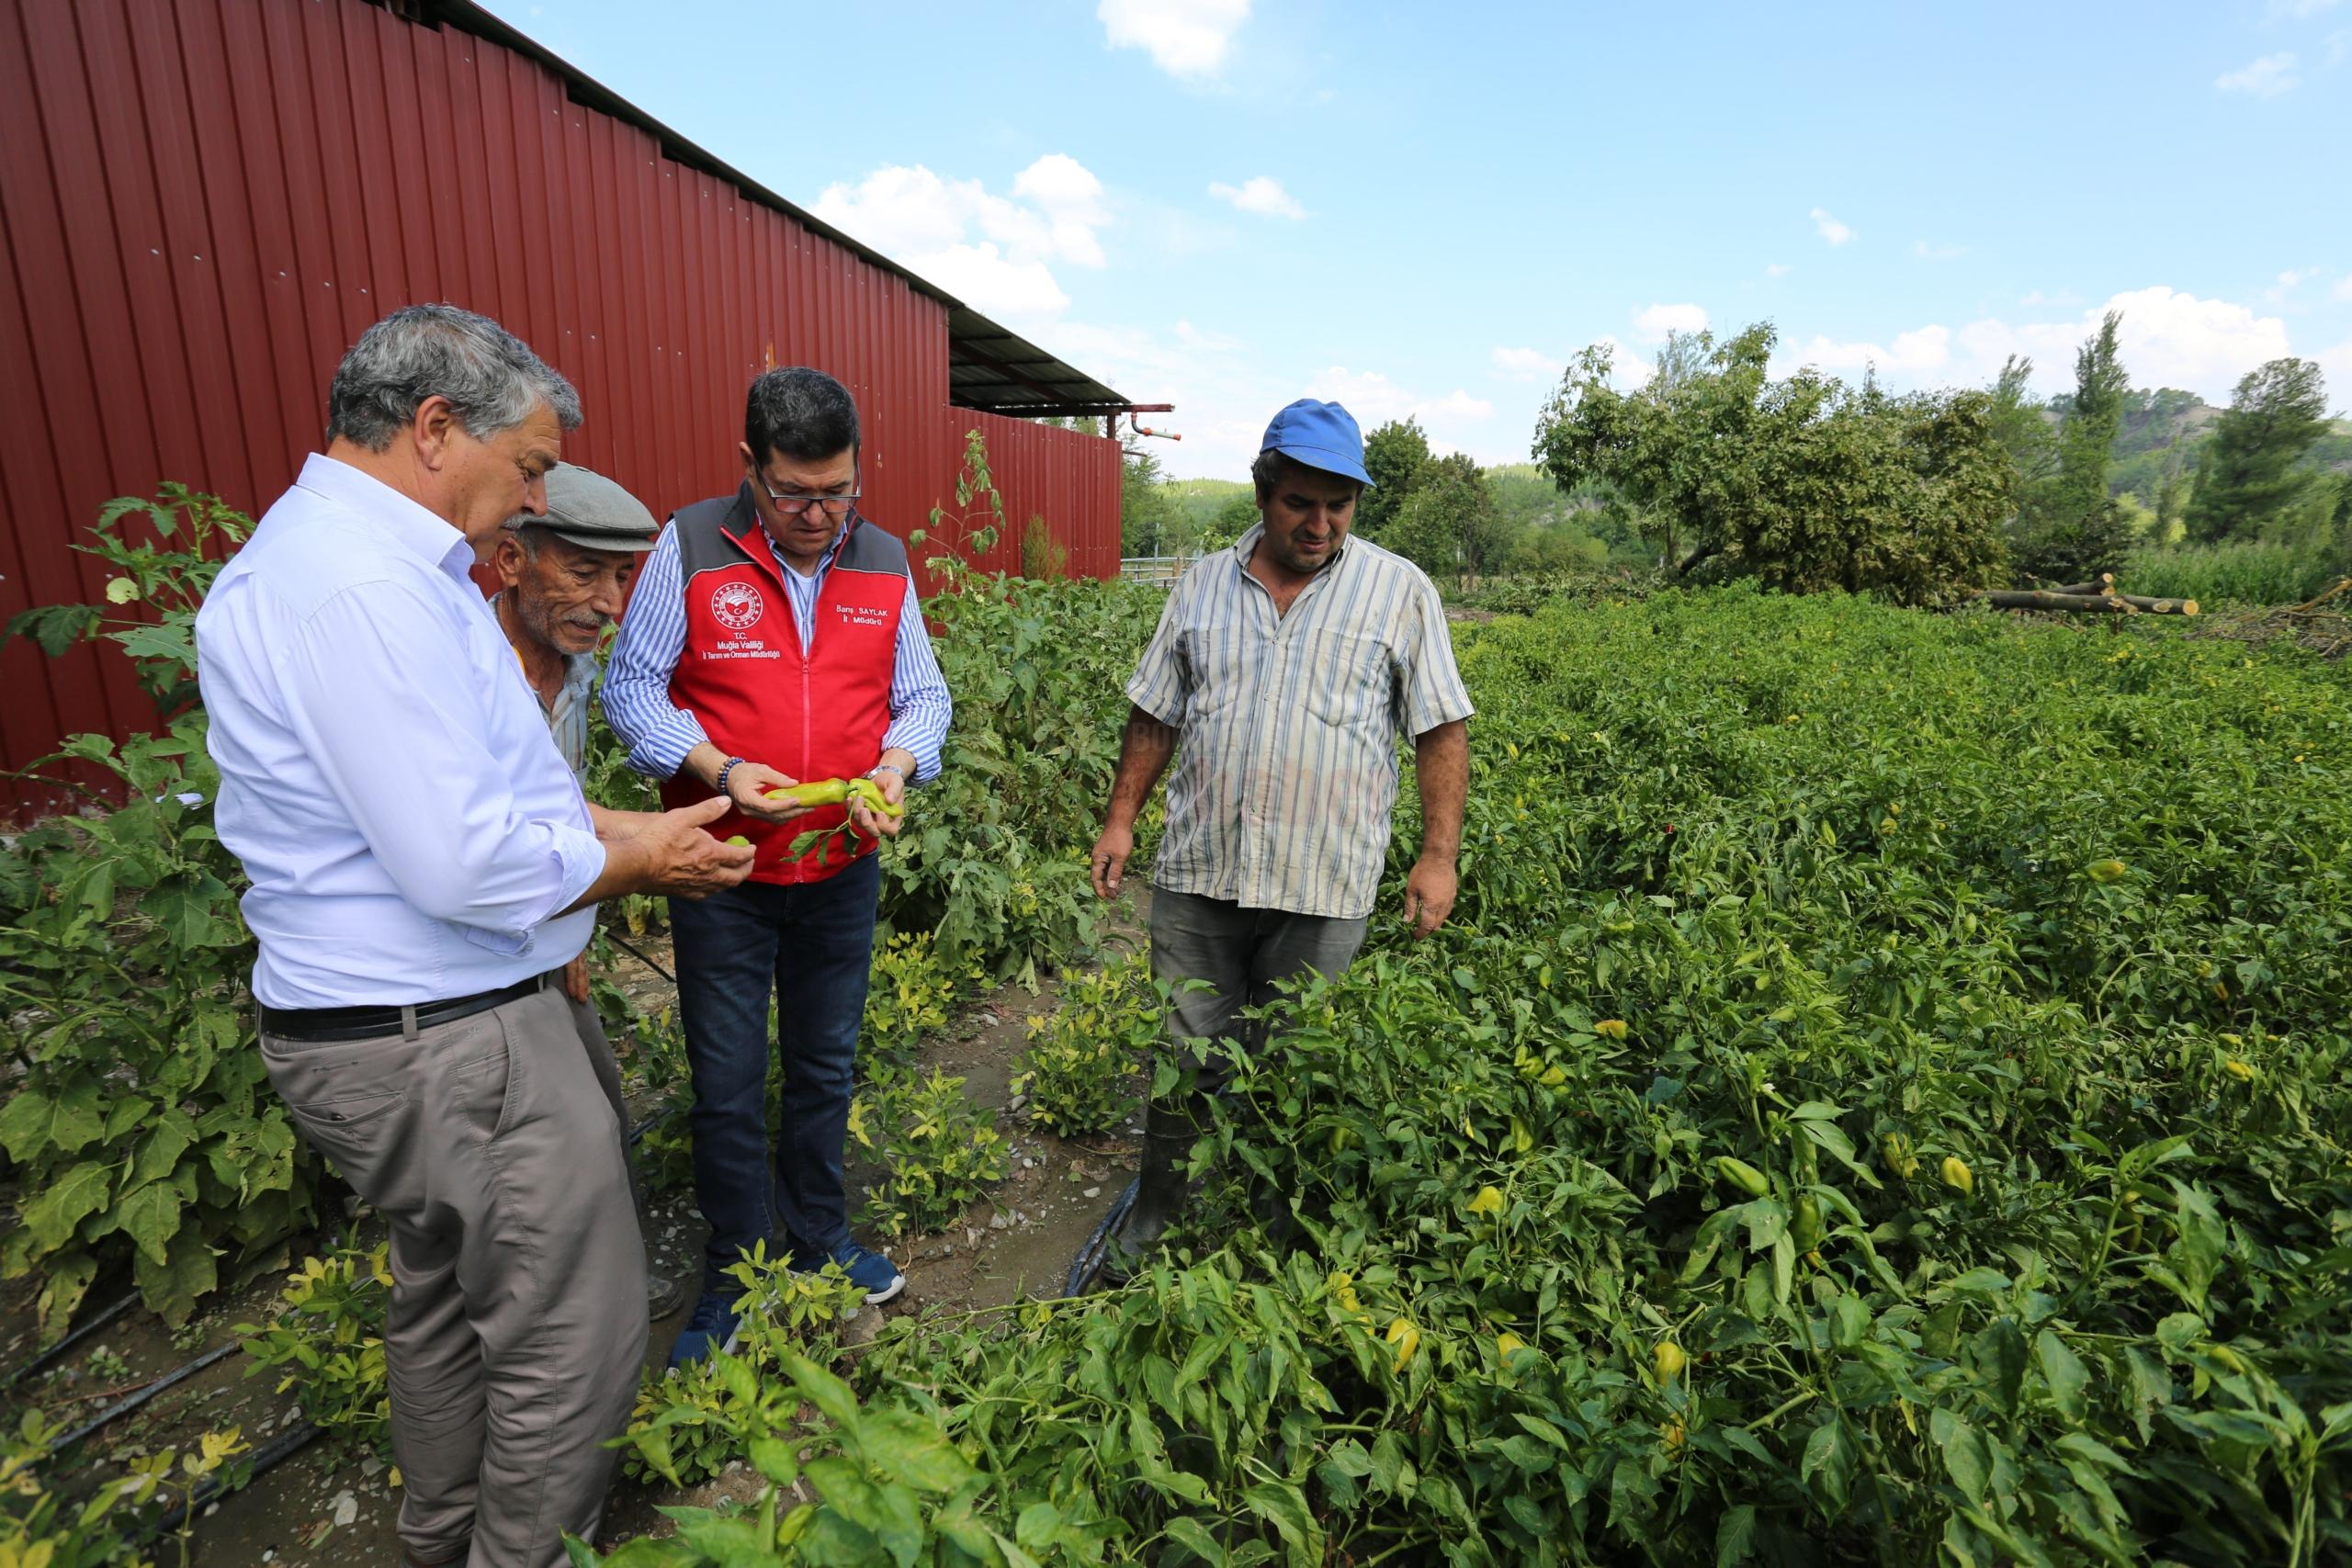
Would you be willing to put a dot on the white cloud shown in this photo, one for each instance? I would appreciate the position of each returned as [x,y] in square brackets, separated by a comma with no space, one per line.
[1633,366]
[1526,364]
[2265,78]
[1184,38]
[1916,353]
[2343,289]
[1777,269]
[2297,10]
[2166,338]
[2059,301]
[1837,233]
[1262,195]
[1374,400]
[1071,199]
[2339,47]
[1652,324]
[1926,251]
[994,252]
[2172,339]
[991,282]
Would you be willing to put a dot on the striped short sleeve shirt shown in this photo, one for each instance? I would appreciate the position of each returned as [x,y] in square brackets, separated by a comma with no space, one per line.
[1286,763]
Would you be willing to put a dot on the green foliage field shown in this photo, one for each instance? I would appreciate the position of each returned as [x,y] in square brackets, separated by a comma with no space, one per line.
[2245,572]
[1882,1098]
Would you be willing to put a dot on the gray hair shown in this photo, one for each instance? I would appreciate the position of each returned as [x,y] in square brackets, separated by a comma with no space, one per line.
[491,378]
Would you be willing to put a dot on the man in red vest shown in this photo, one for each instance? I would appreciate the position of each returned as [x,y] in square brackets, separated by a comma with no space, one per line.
[774,637]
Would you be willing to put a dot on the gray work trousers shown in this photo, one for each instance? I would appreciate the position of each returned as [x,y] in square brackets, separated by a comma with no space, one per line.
[493,1148]
[1242,953]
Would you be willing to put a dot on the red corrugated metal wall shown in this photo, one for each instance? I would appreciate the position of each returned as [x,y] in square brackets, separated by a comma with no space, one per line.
[202,210]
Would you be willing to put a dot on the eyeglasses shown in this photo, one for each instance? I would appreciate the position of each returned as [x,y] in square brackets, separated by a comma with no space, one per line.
[792,504]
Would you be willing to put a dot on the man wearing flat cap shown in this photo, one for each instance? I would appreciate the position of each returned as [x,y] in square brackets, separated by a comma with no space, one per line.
[1289,665]
[563,580]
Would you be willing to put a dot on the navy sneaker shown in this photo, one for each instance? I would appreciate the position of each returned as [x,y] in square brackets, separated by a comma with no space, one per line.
[716,1325]
[870,1271]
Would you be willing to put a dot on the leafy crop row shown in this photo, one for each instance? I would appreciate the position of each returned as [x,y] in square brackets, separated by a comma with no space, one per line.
[1883,1098]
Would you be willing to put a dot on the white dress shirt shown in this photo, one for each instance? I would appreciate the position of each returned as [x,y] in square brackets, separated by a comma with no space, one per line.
[386,773]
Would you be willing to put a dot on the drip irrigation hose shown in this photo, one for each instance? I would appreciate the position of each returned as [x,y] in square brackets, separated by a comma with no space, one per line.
[51,1356]
[1086,1269]
[132,1401]
[637,1134]
[283,1447]
[630,948]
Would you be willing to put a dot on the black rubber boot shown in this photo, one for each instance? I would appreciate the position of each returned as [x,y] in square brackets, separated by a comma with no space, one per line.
[1169,1133]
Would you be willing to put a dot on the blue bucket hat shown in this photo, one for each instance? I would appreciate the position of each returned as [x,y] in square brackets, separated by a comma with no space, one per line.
[1321,436]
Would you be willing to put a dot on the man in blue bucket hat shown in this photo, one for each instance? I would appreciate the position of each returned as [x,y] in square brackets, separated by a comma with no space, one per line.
[1287,667]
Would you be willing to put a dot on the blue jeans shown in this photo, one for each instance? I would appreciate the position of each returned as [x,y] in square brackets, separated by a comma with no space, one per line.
[813,942]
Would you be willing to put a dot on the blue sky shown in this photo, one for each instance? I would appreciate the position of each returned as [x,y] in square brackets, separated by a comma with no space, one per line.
[1426,209]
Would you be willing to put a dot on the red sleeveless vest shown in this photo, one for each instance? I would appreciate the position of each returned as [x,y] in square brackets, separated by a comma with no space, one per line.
[820,715]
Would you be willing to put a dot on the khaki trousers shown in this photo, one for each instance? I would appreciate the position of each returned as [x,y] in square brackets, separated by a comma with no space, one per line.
[493,1148]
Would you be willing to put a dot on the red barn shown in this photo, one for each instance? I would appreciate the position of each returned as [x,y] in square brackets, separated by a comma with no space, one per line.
[200,219]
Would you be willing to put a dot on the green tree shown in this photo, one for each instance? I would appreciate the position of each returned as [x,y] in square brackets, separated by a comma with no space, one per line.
[1394,455]
[1235,518]
[2021,424]
[1149,518]
[1447,525]
[2087,438]
[2067,525]
[1802,483]
[2246,475]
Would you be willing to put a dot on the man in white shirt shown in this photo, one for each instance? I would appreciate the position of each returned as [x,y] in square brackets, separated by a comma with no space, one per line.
[423,865]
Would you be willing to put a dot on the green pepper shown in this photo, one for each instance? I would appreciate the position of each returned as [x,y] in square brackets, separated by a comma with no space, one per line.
[1741,1175]
[836,792]
[1805,1230]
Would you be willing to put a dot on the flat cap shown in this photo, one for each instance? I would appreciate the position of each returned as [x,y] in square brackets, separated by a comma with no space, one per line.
[585,508]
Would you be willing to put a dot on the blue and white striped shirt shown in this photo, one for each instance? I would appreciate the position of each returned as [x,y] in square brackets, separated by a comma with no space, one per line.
[1286,763]
[653,635]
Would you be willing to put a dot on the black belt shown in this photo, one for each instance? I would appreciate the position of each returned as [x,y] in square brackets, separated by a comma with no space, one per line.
[367,1022]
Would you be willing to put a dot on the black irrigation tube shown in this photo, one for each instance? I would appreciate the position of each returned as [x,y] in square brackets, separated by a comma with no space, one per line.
[132,1401]
[1086,1269]
[54,1352]
[630,948]
[637,1134]
[283,1447]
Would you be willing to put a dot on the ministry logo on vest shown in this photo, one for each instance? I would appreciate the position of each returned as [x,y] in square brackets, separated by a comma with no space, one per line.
[737,606]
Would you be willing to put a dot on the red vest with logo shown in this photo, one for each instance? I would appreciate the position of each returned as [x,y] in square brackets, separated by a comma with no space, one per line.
[820,715]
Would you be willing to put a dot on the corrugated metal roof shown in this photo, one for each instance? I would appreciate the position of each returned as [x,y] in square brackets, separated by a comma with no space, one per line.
[993,367]
[201,218]
[1002,372]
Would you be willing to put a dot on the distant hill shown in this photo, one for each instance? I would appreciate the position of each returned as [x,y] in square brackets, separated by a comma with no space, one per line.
[2164,431]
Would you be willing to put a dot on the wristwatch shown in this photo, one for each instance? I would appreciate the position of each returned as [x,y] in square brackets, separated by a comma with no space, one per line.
[892,766]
